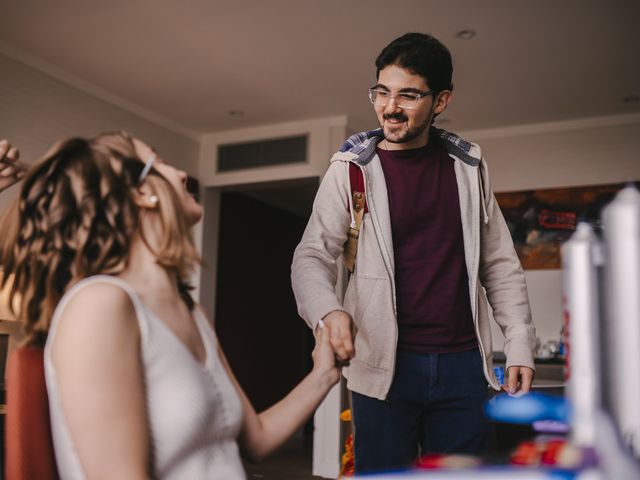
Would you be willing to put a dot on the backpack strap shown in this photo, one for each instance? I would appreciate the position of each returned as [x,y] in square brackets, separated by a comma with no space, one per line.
[359,207]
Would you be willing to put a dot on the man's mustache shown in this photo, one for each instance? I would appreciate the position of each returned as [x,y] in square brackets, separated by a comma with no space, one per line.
[394,116]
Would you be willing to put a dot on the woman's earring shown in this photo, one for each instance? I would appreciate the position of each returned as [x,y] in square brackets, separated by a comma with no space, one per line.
[154,200]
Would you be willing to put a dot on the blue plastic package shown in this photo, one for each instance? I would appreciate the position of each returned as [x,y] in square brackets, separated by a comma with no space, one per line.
[528,408]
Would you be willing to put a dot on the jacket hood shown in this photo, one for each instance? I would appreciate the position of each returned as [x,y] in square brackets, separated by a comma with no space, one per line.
[361,147]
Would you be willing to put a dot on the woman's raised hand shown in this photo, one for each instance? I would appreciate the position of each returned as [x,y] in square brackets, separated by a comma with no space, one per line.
[12,169]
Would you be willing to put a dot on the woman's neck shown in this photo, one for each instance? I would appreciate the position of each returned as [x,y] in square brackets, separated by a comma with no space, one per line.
[145,274]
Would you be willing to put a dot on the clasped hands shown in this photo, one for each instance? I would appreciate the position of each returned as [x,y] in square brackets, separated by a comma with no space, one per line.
[339,326]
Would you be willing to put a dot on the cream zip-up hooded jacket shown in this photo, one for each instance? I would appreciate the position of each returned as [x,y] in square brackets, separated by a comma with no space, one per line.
[495,274]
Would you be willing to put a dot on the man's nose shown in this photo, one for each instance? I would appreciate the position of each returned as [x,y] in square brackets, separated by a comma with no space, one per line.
[392,105]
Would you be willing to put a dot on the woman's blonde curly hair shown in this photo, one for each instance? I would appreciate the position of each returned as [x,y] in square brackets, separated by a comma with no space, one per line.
[76,216]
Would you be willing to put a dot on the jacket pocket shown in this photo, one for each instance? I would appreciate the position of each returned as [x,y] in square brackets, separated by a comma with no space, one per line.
[369,260]
[373,316]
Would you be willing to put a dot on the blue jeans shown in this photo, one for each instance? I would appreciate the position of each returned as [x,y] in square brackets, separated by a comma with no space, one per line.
[435,405]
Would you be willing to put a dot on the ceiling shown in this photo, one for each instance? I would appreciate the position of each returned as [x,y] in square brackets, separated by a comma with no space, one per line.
[193,62]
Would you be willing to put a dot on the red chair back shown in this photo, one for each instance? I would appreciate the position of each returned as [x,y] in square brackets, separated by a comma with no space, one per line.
[29,446]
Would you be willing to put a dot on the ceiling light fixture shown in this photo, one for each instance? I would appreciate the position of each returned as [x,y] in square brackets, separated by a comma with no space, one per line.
[466,34]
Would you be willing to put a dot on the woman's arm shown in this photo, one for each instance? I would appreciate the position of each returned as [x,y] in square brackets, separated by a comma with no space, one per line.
[263,433]
[96,353]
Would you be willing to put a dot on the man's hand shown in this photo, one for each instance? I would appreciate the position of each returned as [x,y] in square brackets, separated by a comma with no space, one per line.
[339,324]
[519,380]
[11,168]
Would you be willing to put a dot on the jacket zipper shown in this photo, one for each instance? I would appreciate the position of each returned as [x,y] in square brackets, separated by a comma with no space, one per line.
[373,213]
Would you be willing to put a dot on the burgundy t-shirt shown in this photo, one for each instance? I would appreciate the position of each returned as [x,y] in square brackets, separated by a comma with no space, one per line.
[432,289]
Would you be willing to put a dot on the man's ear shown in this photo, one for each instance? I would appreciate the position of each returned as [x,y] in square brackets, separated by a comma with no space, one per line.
[442,100]
[145,198]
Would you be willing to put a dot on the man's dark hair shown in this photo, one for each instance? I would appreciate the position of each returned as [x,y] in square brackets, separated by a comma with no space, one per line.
[421,54]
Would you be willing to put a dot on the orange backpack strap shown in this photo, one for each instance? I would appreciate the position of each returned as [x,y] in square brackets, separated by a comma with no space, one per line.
[359,205]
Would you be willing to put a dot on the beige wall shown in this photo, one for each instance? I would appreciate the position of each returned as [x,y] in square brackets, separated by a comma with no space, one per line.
[324,135]
[581,152]
[559,154]
[37,109]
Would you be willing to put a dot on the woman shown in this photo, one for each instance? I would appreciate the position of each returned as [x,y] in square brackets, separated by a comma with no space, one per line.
[138,386]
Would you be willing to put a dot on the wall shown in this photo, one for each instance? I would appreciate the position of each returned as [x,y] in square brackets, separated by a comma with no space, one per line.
[556,154]
[325,135]
[559,154]
[37,109]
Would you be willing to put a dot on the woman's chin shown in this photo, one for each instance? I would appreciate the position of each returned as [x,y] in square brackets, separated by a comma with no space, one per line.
[194,216]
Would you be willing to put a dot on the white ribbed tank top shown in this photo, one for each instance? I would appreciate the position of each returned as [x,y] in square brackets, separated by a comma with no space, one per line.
[194,411]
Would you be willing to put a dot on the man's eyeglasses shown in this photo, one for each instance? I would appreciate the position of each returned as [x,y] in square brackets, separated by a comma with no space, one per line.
[406,100]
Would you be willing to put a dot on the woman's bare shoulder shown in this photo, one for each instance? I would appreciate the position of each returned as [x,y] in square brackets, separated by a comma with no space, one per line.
[97,308]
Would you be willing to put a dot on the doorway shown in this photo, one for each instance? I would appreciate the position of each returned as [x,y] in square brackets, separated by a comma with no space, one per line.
[268,345]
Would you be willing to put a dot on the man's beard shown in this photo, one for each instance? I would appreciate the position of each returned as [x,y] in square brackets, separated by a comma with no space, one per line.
[410,134]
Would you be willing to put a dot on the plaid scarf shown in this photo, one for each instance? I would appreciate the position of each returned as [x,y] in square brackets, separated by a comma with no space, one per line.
[363,145]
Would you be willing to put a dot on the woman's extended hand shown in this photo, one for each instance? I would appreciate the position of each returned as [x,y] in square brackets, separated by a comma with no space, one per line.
[263,433]
[324,360]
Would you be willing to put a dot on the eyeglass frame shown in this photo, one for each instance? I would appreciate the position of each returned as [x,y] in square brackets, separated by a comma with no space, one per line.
[420,96]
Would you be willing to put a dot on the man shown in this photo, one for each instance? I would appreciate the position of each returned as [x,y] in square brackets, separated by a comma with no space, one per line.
[432,249]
